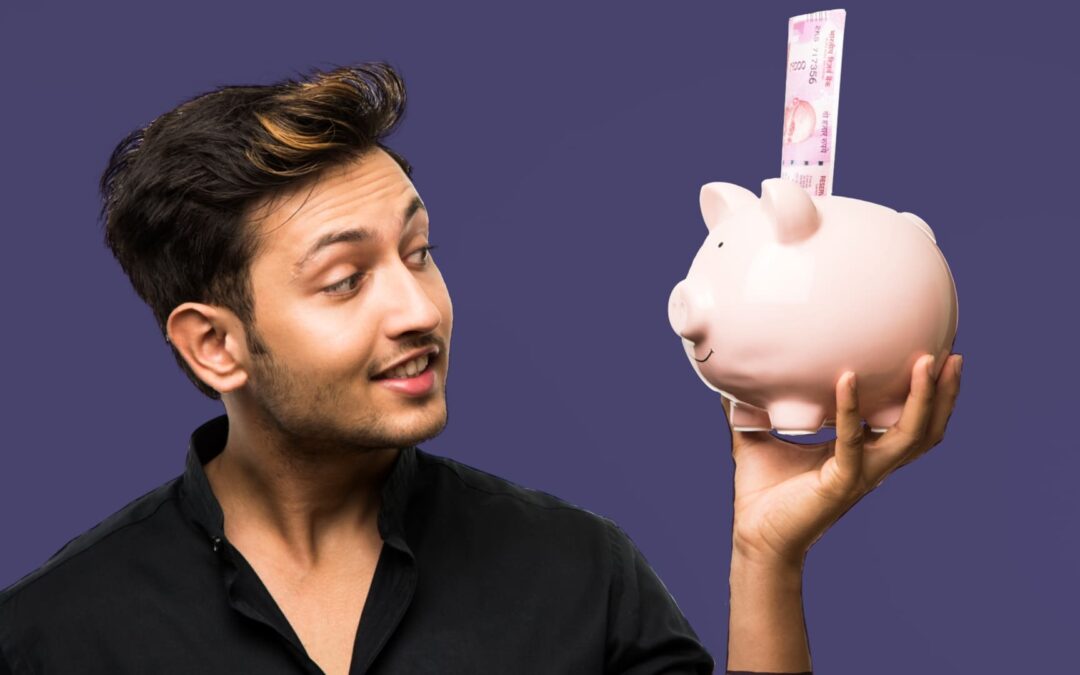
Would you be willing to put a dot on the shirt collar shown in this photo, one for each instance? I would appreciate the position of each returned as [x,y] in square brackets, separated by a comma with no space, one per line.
[203,508]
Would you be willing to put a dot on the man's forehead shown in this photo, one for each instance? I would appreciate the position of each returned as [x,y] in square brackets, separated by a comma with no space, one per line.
[365,181]
[372,195]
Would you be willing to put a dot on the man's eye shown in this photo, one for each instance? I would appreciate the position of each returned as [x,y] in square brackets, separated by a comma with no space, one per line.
[349,283]
[346,284]
[427,251]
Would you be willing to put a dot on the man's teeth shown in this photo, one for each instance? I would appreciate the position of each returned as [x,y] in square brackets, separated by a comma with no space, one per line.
[409,369]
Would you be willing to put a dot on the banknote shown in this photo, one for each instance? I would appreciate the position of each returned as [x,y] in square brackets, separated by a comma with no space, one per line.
[811,97]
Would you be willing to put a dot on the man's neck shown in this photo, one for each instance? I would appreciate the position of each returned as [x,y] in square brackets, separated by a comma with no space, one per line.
[305,507]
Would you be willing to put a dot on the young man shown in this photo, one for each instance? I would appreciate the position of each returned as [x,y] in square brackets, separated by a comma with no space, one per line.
[285,255]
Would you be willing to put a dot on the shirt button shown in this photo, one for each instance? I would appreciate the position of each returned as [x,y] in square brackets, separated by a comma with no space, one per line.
[216,544]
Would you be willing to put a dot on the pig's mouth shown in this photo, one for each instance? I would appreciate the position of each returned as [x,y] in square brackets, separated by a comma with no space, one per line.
[704,359]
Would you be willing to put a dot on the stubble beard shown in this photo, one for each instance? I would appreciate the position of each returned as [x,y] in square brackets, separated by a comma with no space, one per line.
[318,418]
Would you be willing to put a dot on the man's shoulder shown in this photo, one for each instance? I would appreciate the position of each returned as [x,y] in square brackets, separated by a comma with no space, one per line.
[78,561]
[502,498]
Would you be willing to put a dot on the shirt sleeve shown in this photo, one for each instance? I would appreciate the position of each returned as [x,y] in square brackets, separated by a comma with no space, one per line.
[647,633]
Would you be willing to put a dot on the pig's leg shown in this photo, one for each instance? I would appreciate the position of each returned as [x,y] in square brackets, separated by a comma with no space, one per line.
[796,417]
[745,417]
[883,418]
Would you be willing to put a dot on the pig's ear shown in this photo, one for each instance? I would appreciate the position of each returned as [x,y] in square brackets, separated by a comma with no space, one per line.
[790,209]
[921,224]
[720,199]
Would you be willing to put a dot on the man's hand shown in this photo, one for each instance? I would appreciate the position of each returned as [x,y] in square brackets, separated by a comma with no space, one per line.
[787,494]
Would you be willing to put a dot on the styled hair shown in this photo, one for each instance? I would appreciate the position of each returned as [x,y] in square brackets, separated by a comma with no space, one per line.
[177,193]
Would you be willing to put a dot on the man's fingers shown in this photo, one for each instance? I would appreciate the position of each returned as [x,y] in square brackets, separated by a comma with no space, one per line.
[947,389]
[905,439]
[849,434]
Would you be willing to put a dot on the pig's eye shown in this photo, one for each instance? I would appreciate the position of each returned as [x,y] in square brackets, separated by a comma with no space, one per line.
[721,244]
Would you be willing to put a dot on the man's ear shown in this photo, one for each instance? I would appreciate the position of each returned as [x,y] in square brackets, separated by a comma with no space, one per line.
[211,340]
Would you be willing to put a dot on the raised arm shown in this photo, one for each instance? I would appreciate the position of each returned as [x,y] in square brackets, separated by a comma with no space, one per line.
[787,495]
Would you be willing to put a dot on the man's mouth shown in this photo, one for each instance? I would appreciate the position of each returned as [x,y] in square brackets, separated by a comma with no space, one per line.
[704,359]
[414,368]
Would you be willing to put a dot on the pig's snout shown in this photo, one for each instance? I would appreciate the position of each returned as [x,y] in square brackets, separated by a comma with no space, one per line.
[688,311]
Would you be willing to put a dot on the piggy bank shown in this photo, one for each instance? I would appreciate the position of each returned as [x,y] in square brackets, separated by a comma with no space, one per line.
[789,291]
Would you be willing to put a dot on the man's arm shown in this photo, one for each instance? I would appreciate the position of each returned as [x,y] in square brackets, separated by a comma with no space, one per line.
[647,632]
[766,627]
[787,495]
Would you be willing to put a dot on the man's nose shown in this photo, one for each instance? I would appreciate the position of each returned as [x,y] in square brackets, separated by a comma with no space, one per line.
[410,307]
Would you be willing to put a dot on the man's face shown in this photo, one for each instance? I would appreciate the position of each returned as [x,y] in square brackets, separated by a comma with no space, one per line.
[332,317]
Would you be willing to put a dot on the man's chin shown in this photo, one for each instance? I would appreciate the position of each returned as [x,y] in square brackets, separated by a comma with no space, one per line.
[417,425]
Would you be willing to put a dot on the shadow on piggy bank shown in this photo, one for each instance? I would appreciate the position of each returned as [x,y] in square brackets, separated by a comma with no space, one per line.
[789,291]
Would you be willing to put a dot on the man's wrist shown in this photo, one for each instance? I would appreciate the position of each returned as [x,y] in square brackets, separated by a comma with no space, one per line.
[766,630]
[784,573]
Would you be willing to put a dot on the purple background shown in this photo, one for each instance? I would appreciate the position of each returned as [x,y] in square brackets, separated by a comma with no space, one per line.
[560,147]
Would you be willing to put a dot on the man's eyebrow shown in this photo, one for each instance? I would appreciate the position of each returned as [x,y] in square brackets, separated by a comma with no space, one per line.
[354,234]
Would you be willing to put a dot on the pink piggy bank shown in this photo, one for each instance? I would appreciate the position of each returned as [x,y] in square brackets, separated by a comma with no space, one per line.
[789,291]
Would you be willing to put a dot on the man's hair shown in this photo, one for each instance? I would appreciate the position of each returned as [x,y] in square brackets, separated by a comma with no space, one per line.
[177,193]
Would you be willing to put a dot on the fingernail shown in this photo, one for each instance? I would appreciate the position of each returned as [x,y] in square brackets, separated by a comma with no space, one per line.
[930,366]
[851,383]
[959,365]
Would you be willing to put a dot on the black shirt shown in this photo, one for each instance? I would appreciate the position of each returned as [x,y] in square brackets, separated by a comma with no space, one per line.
[476,575]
